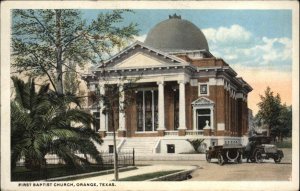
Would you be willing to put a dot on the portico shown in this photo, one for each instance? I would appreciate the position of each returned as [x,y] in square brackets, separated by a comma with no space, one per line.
[149,106]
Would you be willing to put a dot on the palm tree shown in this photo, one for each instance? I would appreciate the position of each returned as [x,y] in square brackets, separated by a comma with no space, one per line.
[44,122]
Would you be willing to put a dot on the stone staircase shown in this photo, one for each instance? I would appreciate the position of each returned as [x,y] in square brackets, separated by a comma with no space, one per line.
[142,146]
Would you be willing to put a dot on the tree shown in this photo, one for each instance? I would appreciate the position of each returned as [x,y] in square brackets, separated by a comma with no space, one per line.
[43,122]
[275,116]
[54,43]
[44,42]
[285,122]
[113,104]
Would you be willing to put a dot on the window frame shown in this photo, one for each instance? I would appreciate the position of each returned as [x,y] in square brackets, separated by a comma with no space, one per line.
[153,112]
[199,89]
[93,112]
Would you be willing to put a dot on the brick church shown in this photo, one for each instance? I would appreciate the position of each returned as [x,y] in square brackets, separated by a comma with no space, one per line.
[181,92]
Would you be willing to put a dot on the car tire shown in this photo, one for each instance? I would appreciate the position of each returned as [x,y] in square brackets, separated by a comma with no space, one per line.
[239,160]
[208,158]
[277,159]
[258,157]
[220,159]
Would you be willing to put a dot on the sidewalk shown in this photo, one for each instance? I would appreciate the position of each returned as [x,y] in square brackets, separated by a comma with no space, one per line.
[170,157]
[140,170]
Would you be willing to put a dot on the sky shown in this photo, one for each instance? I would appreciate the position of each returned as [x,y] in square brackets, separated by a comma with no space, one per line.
[257,44]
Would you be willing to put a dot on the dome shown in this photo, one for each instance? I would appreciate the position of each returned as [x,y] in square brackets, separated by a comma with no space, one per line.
[176,34]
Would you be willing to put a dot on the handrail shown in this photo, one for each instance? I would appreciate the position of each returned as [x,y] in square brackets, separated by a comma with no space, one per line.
[171,133]
[119,146]
[156,146]
[194,132]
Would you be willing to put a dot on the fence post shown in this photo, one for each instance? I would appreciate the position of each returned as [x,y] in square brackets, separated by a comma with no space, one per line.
[133,157]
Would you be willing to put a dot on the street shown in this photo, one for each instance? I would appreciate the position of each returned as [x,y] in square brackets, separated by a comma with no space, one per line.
[268,170]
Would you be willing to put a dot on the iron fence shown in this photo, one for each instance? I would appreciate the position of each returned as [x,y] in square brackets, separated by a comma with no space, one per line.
[56,167]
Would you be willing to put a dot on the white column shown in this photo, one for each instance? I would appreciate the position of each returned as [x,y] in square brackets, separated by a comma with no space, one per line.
[182,116]
[102,116]
[121,108]
[161,106]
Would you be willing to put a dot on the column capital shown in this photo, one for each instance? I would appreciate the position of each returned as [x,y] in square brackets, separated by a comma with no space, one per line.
[181,81]
[101,83]
[160,83]
[121,83]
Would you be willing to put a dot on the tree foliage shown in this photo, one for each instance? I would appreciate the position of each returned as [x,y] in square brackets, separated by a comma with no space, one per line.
[45,41]
[43,122]
[195,143]
[277,117]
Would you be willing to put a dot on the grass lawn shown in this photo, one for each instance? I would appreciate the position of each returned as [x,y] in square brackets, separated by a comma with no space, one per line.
[148,176]
[52,171]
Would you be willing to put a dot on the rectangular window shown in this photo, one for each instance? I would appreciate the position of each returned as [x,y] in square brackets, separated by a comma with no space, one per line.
[110,149]
[203,89]
[176,110]
[139,100]
[155,93]
[203,118]
[147,110]
[96,123]
[170,148]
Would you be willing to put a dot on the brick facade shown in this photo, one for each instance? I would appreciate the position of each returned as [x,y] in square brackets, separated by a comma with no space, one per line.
[230,112]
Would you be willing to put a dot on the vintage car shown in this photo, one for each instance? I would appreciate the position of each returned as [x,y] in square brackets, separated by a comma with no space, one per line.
[259,148]
[225,153]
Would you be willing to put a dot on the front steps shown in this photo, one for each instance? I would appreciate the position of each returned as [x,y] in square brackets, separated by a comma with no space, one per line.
[141,146]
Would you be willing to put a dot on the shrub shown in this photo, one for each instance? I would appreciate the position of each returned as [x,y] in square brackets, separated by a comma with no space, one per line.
[196,143]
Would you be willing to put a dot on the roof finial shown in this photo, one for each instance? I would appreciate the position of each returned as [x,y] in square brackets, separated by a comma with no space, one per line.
[174,16]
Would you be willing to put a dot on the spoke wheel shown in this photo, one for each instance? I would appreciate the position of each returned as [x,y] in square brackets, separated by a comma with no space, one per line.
[277,159]
[208,158]
[220,159]
[258,157]
[252,159]
[239,160]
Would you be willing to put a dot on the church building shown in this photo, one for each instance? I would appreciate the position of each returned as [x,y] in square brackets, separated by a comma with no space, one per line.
[181,91]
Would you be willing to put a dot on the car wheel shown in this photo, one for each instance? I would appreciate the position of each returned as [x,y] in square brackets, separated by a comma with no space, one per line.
[220,159]
[277,159]
[252,159]
[258,157]
[208,158]
[239,160]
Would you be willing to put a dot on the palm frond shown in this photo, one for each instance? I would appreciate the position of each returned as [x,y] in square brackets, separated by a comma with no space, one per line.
[43,122]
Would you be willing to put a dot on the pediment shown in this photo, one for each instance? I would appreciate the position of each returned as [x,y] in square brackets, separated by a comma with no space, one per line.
[140,60]
[140,55]
[202,101]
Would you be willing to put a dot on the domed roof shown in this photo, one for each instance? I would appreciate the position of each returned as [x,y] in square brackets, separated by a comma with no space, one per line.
[176,34]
